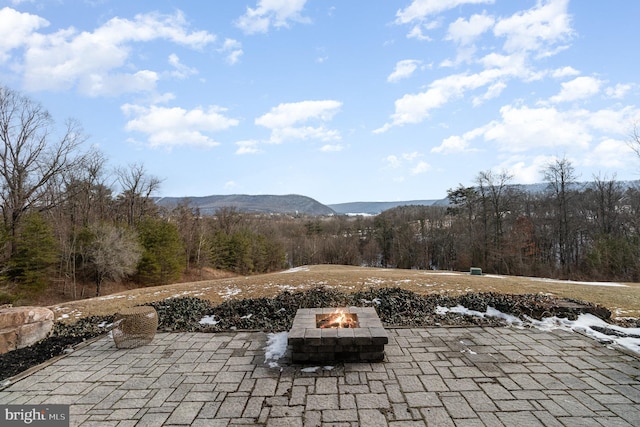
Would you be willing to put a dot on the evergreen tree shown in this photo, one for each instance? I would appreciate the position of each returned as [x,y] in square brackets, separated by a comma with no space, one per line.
[162,255]
[35,254]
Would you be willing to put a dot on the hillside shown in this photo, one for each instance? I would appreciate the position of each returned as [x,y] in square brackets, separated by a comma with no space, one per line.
[374,208]
[285,204]
[295,204]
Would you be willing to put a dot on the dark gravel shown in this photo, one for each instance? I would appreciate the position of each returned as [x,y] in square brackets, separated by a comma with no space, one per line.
[395,306]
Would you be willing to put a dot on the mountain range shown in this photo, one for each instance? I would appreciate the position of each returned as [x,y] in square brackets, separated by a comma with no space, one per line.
[295,204]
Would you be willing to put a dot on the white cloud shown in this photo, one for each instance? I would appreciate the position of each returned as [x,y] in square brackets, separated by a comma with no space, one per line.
[538,32]
[416,33]
[578,88]
[523,131]
[524,170]
[492,92]
[330,148]
[458,144]
[538,29]
[619,91]
[407,161]
[16,29]
[465,32]
[247,147]
[610,153]
[181,71]
[118,83]
[393,161]
[565,72]
[233,49]
[451,145]
[523,128]
[420,167]
[271,13]
[418,10]
[404,69]
[97,62]
[414,108]
[286,120]
[171,127]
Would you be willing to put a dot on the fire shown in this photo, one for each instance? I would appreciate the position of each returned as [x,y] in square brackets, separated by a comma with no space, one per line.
[338,319]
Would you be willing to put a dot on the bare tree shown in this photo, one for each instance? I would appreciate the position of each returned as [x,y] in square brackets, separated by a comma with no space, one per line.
[493,188]
[112,253]
[137,187]
[561,179]
[634,140]
[32,157]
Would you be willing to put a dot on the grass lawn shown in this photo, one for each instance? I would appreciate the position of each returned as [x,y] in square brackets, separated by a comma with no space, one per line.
[623,299]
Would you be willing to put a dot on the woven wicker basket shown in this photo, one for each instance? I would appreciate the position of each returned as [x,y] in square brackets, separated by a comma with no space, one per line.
[135,326]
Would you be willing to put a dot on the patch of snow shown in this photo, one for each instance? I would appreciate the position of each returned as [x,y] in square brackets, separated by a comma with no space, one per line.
[627,338]
[312,369]
[275,349]
[571,282]
[296,269]
[377,301]
[289,287]
[209,320]
[442,273]
[229,292]
[248,316]
[494,276]
[108,297]
[491,312]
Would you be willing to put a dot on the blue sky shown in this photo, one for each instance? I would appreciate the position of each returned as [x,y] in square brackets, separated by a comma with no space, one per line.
[337,100]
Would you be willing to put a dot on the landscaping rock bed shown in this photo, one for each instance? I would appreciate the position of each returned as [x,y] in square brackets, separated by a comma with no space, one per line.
[395,307]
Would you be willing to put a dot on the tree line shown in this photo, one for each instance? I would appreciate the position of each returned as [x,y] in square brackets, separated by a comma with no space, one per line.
[71,223]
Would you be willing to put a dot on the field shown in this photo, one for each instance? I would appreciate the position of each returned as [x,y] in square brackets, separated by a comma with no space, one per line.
[623,299]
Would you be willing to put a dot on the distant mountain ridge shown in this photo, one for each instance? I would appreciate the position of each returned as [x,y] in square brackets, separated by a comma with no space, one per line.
[374,208]
[295,204]
[285,204]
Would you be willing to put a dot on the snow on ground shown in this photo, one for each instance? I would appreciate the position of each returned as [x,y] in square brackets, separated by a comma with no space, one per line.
[491,312]
[109,297]
[275,349]
[442,273]
[295,269]
[585,324]
[613,335]
[312,369]
[571,282]
[209,320]
[289,288]
[229,292]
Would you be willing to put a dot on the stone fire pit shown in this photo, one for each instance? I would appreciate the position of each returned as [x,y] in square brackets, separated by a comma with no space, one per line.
[322,335]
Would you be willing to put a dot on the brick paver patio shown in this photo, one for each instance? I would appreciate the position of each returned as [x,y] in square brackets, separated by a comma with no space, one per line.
[468,376]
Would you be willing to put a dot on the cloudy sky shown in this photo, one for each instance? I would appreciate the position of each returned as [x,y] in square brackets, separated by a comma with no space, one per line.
[359,100]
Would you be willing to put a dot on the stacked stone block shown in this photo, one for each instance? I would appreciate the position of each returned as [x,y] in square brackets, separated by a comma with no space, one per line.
[310,344]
